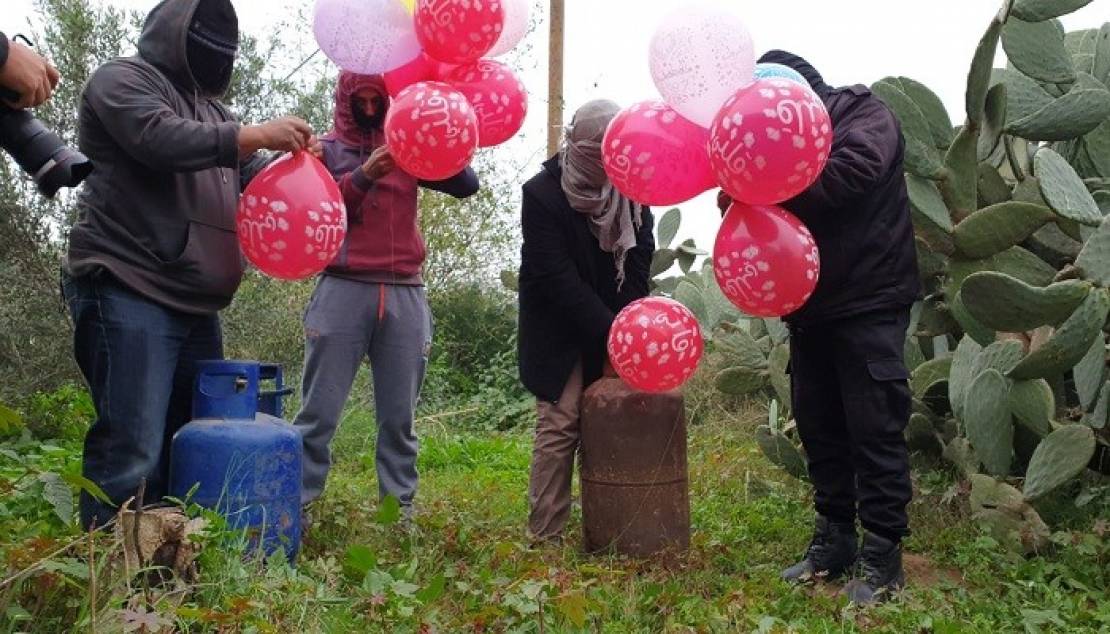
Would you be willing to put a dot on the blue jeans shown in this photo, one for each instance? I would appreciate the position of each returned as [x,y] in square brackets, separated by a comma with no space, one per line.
[139,359]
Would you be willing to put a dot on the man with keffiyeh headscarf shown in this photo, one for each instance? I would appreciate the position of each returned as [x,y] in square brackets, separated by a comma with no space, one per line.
[587,254]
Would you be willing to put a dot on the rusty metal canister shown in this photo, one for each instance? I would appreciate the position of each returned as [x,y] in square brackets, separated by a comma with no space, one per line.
[635,491]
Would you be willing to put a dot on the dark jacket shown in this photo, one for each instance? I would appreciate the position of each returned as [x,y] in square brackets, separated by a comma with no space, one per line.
[3,49]
[158,212]
[384,243]
[568,287]
[859,209]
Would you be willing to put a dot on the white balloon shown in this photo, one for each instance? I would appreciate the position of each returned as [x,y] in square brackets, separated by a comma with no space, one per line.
[517,14]
[365,36]
[700,56]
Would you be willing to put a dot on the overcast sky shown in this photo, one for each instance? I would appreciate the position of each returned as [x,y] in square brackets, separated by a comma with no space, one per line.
[849,41]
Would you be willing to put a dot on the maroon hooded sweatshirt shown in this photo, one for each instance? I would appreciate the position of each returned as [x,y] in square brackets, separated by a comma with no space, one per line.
[384,244]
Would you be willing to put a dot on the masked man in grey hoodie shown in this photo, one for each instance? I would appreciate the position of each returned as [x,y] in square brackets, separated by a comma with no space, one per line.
[154,255]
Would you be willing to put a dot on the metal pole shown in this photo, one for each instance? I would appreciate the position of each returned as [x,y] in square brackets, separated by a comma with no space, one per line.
[555,77]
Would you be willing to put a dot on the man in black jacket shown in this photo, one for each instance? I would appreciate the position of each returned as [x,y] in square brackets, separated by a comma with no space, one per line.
[154,255]
[586,255]
[851,396]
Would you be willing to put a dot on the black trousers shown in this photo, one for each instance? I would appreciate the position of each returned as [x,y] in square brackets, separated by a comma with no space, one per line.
[852,402]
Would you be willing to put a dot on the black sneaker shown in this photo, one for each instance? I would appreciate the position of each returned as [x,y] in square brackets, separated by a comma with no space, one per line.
[831,553]
[880,574]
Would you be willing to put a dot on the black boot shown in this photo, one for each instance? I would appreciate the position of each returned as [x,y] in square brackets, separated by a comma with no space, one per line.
[831,552]
[881,573]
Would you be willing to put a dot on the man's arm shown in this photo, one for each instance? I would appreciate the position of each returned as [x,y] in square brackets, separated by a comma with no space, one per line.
[28,80]
[554,275]
[462,185]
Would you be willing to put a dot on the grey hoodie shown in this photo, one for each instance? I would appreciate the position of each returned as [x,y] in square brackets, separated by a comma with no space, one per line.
[158,212]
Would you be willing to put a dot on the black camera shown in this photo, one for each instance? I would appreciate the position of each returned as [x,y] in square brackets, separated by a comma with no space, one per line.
[45,157]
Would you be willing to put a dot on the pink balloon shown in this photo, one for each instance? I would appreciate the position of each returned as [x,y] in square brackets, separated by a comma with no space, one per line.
[655,156]
[655,344]
[291,219]
[770,141]
[459,31]
[432,131]
[765,260]
[423,68]
[500,100]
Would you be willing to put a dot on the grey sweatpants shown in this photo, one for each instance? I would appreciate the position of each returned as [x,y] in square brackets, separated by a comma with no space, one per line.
[346,322]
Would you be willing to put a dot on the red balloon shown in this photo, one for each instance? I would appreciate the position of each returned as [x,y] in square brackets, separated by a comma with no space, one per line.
[432,131]
[291,219]
[655,344]
[655,156]
[500,100]
[765,260]
[459,31]
[770,141]
[423,68]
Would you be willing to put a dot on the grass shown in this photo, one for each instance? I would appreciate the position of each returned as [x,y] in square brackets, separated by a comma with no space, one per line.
[466,567]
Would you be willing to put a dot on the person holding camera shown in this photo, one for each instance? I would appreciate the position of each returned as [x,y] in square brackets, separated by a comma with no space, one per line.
[154,255]
[28,77]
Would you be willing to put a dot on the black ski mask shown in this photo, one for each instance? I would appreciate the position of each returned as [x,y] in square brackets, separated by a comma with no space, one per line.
[212,45]
[365,122]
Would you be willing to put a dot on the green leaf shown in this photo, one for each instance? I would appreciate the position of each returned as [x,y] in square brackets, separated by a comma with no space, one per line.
[1070,343]
[1041,10]
[969,324]
[510,280]
[1037,49]
[932,108]
[358,561]
[741,381]
[780,380]
[960,376]
[930,374]
[81,483]
[1099,417]
[1033,405]
[994,122]
[389,511]
[662,261]
[10,421]
[573,607]
[1007,304]
[1076,113]
[1064,191]
[959,452]
[988,423]
[1090,374]
[1096,145]
[962,176]
[994,229]
[926,199]
[58,495]
[781,451]
[1002,356]
[1102,55]
[742,350]
[433,591]
[1059,458]
[668,227]
[1094,259]
[908,113]
[693,298]
[979,77]
[1024,97]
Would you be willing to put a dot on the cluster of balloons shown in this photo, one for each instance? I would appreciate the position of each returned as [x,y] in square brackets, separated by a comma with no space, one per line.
[757,131]
[449,97]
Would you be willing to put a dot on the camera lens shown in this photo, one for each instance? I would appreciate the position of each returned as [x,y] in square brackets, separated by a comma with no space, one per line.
[40,153]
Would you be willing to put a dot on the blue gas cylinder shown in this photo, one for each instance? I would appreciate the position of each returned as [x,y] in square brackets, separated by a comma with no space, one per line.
[240,461]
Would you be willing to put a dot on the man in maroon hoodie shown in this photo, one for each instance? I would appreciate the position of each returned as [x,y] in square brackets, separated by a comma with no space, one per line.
[370,302]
